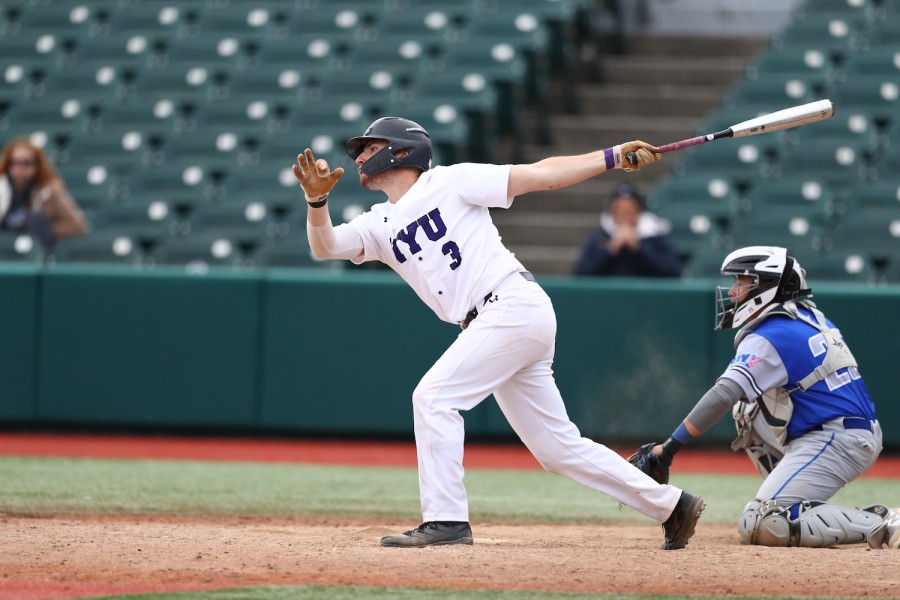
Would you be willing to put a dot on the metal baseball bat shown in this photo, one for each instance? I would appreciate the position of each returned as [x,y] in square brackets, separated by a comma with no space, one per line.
[776,121]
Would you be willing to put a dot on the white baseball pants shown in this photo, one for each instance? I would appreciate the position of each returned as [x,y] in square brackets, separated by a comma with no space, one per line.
[508,351]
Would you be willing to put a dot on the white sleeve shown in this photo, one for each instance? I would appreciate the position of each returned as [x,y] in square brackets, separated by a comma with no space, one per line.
[327,241]
[480,184]
[756,367]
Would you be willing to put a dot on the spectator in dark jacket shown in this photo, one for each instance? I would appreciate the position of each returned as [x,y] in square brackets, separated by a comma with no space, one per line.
[630,242]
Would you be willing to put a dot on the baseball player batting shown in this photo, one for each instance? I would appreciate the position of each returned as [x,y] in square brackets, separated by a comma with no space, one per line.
[435,231]
[802,410]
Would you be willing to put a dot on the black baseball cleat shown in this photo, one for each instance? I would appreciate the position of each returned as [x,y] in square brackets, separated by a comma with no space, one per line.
[431,533]
[681,524]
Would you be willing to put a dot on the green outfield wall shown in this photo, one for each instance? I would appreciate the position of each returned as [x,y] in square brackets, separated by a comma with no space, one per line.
[338,353]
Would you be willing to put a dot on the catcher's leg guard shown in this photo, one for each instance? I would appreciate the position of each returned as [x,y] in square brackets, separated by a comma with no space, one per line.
[811,524]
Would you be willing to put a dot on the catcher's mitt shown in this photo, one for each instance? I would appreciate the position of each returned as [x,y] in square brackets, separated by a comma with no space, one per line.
[651,464]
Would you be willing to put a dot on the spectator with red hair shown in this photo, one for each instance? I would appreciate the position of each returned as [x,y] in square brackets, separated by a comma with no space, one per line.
[34,198]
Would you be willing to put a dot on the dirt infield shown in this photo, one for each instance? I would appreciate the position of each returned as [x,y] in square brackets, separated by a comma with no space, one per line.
[70,557]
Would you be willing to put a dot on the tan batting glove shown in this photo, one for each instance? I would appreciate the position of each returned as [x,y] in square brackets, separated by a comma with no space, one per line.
[315,177]
[642,154]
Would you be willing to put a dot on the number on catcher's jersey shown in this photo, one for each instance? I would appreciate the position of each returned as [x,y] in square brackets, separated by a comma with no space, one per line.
[818,345]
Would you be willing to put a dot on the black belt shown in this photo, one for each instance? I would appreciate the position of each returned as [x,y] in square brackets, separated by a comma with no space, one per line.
[850,423]
[474,312]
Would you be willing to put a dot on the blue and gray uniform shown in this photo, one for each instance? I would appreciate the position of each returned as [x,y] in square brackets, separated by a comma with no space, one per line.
[833,435]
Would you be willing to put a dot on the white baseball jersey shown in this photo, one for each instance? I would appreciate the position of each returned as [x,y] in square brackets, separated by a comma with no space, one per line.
[440,238]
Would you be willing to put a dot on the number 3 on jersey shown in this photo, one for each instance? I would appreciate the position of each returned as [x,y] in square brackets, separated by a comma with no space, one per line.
[433,226]
[818,345]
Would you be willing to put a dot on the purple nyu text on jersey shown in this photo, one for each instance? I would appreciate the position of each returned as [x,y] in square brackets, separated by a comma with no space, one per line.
[432,232]
[748,360]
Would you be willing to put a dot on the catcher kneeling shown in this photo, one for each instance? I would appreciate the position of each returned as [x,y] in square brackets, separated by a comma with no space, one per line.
[803,413]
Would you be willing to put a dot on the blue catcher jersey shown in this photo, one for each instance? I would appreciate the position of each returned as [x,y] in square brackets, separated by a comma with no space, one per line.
[780,352]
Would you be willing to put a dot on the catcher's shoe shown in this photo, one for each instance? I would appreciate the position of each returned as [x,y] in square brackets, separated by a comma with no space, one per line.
[888,533]
[432,533]
[681,524]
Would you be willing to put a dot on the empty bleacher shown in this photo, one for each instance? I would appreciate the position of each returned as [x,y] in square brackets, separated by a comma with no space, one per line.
[201,108]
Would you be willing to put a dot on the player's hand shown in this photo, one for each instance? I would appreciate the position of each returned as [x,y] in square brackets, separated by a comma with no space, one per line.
[315,177]
[642,153]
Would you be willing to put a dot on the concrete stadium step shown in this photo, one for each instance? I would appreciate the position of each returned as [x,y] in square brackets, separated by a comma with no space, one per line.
[691,71]
[644,99]
[592,132]
[546,260]
[707,45]
[551,229]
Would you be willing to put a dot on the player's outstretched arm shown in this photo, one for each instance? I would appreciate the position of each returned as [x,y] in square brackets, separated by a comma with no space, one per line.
[562,171]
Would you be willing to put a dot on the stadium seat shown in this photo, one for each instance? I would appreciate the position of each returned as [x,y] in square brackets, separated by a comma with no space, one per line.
[837,33]
[881,194]
[119,152]
[311,52]
[800,234]
[210,145]
[28,49]
[121,47]
[55,18]
[874,232]
[357,20]
[19,247]
[427,22]
[884,61]
[150,115]
[836,164]
[837,266]
[800,62]
[196,253]
[410,52]
[98,247]
[239,19]
[182,186]
[886,31]
[777,91]
[152,18]
[147,223]
[99,79]
[249,224]
[708,194]
[91,185]
[289,254]
[211,50]
[281,83]
[51,116]
[699,208]
[877,94]
[177,82]
[789,197]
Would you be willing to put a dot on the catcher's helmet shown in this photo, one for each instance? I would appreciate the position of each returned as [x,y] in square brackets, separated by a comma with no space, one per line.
[776,277]
[401,134]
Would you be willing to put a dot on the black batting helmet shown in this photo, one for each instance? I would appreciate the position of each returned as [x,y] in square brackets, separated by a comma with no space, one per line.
[401,134]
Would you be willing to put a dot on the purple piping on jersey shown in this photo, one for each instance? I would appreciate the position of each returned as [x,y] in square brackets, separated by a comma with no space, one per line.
[610,159]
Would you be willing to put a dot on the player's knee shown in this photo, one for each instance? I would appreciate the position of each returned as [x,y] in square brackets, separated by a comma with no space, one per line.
[765,524]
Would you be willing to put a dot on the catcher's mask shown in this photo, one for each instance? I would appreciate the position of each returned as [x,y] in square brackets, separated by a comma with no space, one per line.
[775,277]
[401,134]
